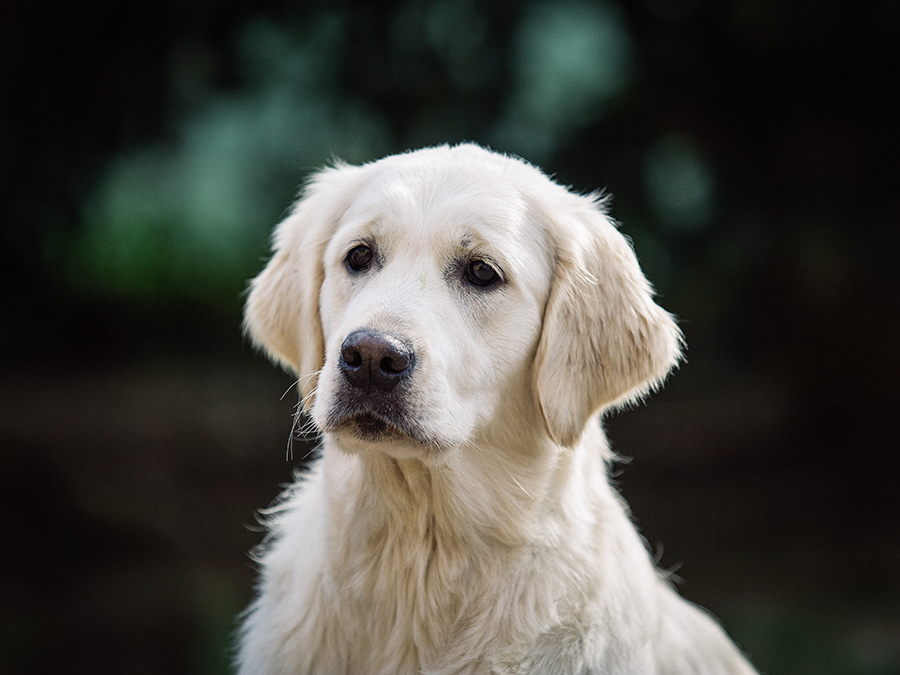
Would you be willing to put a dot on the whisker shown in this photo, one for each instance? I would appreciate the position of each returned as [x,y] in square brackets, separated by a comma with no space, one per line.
[286,391]
[303,428]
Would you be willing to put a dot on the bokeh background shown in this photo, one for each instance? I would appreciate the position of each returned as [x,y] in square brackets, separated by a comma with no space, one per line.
[147,149]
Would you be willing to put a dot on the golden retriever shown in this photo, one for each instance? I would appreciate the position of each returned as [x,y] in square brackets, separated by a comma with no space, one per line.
[458,322]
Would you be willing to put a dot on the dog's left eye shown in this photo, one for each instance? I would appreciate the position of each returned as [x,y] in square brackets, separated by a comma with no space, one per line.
[482,274]
[359,259]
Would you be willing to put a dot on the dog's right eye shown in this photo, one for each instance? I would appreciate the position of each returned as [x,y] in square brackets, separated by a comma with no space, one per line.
[482,274]
[359,259]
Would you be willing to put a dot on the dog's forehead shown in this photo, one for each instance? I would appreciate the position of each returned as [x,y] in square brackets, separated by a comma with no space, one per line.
[467,205]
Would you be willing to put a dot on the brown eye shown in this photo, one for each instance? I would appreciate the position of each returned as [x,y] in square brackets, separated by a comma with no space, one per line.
[359,259]
[481,274]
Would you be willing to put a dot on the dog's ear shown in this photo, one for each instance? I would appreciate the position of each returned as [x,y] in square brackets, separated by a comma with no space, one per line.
[604,341]
[282,310]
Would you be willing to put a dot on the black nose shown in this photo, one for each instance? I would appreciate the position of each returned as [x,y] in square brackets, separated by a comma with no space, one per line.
[372,360]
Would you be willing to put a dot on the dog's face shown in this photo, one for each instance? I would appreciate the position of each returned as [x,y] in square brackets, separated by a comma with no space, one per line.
[434,287]
[427,297]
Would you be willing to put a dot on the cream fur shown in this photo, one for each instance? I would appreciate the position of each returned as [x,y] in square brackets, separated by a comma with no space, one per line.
[484,537]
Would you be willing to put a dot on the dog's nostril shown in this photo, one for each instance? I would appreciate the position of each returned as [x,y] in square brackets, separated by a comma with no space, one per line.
[352,358]
[394,364]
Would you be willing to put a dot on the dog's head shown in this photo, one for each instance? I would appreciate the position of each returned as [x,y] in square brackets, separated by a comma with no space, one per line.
[425,297]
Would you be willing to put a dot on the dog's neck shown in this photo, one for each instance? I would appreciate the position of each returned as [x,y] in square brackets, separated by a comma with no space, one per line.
[425,542]
[470,501]
[494,497]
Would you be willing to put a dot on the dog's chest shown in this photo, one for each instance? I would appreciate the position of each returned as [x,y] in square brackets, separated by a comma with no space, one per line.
[415,580]
[417,598]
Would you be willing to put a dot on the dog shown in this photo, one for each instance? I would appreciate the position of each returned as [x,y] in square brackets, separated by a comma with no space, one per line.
[458,323]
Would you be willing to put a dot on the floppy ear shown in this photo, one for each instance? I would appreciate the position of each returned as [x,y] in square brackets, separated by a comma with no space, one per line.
[282,311]
[604,340]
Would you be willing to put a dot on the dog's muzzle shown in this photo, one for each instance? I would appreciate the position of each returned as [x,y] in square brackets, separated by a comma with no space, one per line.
[373,398]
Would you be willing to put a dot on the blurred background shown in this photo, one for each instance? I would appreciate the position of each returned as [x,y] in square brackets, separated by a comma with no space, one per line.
[147,149]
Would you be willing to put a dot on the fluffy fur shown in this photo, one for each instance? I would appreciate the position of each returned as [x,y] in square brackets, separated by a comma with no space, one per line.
[462,521]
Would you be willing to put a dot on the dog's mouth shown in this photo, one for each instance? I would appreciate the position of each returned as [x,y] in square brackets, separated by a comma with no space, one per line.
[374,427]
[371,428]
[368,426]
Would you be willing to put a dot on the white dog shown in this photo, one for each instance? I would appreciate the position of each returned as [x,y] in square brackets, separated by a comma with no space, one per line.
[458,322]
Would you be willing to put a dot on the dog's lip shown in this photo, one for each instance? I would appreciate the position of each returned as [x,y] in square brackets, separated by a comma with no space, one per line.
[376,428]
[368,425]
